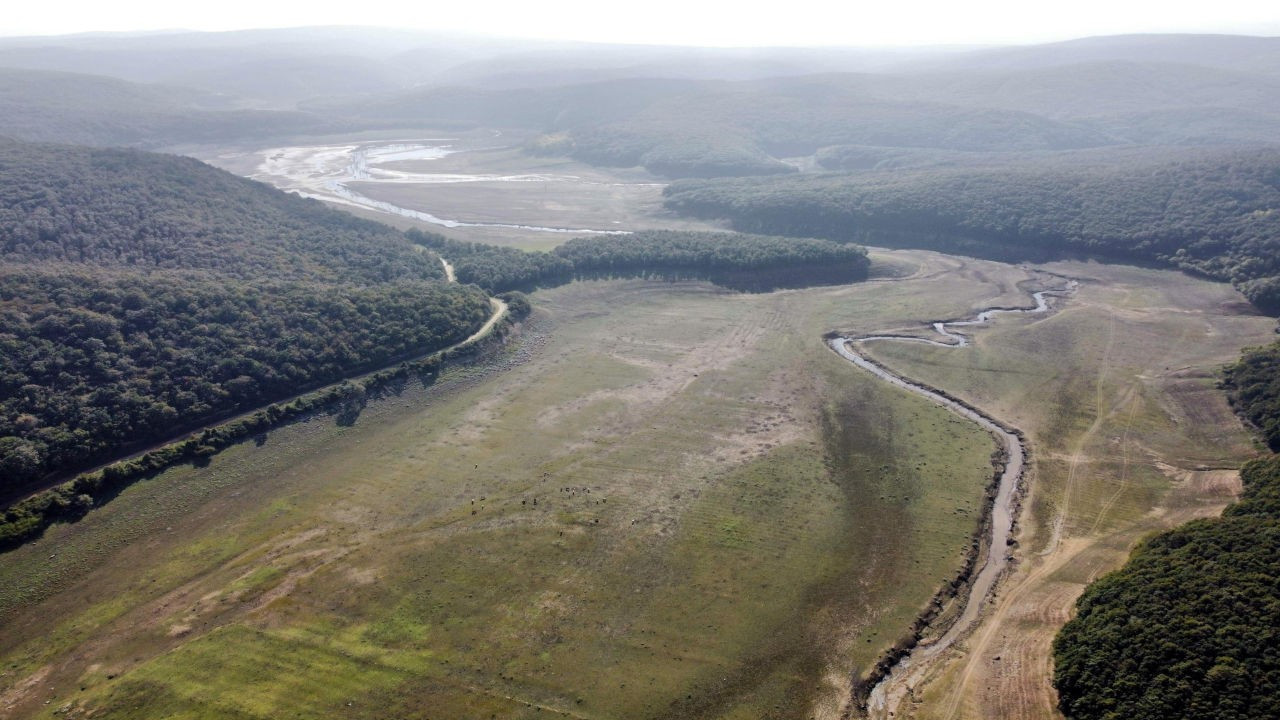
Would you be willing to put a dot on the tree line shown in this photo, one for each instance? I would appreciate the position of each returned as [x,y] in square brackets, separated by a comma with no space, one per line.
[1217,216]
[734,260]
[68,501]
[1253,387]
[96,361]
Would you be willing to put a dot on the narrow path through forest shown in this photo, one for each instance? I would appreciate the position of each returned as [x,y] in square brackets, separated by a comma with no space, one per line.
[498,306]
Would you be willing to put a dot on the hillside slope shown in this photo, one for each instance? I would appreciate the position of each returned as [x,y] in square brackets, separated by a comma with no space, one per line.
[145,294]
[1216,214]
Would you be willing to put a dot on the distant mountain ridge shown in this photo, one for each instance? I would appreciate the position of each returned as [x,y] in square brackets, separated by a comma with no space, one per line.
[680,112]
[53,106]
[1247,53]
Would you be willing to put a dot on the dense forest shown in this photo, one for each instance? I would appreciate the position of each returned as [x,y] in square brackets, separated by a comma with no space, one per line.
[738,261]
[144,211]
[143,295]
[96,361]
[741,130]
[1218,216]
[1253,386]
[146,294]
[1190,627]
[745,262]
[493,267]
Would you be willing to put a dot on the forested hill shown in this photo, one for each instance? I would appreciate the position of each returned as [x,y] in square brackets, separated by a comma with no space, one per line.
[143,295]
[1217,215]
[43,106]
[685,128]
[126,208]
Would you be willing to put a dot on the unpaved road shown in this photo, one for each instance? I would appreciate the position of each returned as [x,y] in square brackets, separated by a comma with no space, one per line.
[500,310]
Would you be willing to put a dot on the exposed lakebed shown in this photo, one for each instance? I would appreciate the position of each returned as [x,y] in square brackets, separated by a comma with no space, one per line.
[889,689]
[350,174]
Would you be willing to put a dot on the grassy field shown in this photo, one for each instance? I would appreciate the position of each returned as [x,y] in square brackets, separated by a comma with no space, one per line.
[666,501]
[679,504]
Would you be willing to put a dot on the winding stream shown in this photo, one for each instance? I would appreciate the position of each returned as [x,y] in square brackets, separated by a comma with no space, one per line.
[890,689]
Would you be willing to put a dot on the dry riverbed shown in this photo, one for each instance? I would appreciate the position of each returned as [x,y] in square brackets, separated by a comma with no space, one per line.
[1116,394]
[663,500]
[477,186]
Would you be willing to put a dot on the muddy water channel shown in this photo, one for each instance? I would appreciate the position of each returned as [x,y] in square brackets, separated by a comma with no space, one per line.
[888,691]
[325,172]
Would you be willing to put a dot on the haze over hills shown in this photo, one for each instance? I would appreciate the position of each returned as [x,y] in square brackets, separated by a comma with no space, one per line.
[680,112]
[419,57]
[410,58]
[53,106]
[214,61]
[1234,52]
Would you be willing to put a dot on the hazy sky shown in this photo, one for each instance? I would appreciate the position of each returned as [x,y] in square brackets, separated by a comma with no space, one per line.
[692,22]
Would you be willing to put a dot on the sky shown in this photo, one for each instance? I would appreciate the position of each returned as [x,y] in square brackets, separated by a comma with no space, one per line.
[681,22]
